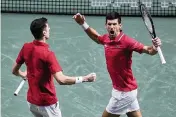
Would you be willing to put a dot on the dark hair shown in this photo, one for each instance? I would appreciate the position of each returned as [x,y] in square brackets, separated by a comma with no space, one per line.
[113,15]
[37,27]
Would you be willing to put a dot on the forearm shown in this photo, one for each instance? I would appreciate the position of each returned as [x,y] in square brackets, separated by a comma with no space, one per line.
[67,80]
[73,80]
[19,73]
[92,33]
[151,50]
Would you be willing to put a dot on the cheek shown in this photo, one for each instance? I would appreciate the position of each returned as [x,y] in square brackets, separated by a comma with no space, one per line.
[118,27]
[108,27]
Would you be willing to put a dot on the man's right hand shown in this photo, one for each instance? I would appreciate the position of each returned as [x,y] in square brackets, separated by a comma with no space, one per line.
[79,18]
[90,77]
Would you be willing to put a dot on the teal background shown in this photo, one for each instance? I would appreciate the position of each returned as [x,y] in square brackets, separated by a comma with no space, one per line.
[79,55]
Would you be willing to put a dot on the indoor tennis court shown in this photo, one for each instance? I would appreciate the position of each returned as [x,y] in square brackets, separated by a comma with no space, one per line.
[79,55]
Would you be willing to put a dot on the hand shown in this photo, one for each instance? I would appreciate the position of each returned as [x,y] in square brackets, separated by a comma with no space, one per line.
[79,18]
[90,77]
[156,42]
[23,74]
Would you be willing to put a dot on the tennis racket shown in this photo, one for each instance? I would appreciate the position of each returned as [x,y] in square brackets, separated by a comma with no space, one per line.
[150,27]
[19,87]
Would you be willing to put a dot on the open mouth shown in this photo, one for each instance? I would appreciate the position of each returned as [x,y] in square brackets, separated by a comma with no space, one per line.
[112,32]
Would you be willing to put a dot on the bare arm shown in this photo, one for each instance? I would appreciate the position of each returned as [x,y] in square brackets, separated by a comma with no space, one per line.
[92,33]
[16,71]
[67,80]
[151,50]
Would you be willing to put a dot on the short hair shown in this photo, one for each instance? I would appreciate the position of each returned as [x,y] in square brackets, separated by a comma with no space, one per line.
[37,27]
[113,15]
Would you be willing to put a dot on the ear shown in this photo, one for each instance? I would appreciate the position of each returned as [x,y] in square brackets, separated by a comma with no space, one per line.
[44,33]
[120,26]
[105,26]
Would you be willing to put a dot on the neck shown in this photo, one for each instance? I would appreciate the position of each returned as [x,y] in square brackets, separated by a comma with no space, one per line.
[118,33]
[42,40]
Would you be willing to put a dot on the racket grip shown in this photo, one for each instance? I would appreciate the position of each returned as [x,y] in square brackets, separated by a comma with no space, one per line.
[19,87]
[161,55]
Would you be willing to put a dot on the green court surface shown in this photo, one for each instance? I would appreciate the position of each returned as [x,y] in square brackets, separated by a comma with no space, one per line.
[78,55]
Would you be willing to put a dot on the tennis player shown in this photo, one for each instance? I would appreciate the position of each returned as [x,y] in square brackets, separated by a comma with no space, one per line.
[42,65]
[118,49]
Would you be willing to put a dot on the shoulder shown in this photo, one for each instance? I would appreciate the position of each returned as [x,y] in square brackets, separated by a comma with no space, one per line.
[128,39]
[50,56]
[49,52]
[27,45]
[103,37]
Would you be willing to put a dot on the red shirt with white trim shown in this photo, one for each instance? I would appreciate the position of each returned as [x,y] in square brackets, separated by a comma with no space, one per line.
[41,63]
[118,53]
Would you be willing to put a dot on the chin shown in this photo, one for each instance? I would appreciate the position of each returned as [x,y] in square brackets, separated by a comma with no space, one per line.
[112,35]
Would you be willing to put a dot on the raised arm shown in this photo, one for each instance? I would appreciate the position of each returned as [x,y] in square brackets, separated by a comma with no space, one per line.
[92,33]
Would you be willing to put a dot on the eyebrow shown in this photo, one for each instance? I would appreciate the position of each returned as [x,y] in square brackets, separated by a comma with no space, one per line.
[112,23]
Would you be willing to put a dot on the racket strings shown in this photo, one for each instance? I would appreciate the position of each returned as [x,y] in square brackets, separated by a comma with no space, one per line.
[147,20]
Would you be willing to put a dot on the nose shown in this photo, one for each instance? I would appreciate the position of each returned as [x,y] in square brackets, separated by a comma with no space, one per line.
[111,26]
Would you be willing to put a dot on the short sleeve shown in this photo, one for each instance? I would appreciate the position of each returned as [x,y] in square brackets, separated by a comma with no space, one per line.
[20,58]
[134,45]
[54,66]
[101,39]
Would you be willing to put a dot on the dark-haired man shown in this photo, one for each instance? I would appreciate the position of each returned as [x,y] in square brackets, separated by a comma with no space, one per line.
[118,49]
[42,65]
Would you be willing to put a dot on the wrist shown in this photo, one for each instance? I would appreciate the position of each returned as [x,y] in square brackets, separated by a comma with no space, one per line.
[85,26]
[154,48]
[79,79]
[24,79]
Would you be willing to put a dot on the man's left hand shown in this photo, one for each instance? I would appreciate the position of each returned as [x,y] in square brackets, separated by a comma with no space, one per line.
[156,42]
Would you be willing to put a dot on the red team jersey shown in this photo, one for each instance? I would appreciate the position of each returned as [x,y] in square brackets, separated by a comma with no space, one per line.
[41,64]
[118,53]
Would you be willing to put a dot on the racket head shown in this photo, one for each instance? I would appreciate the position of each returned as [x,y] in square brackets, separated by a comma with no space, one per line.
[147,20]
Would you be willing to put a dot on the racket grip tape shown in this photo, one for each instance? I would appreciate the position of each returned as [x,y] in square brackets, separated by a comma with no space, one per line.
[19,87]
[161,55]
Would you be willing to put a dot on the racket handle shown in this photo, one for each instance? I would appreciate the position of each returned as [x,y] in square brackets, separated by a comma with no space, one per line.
[19,87]
[161,55]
